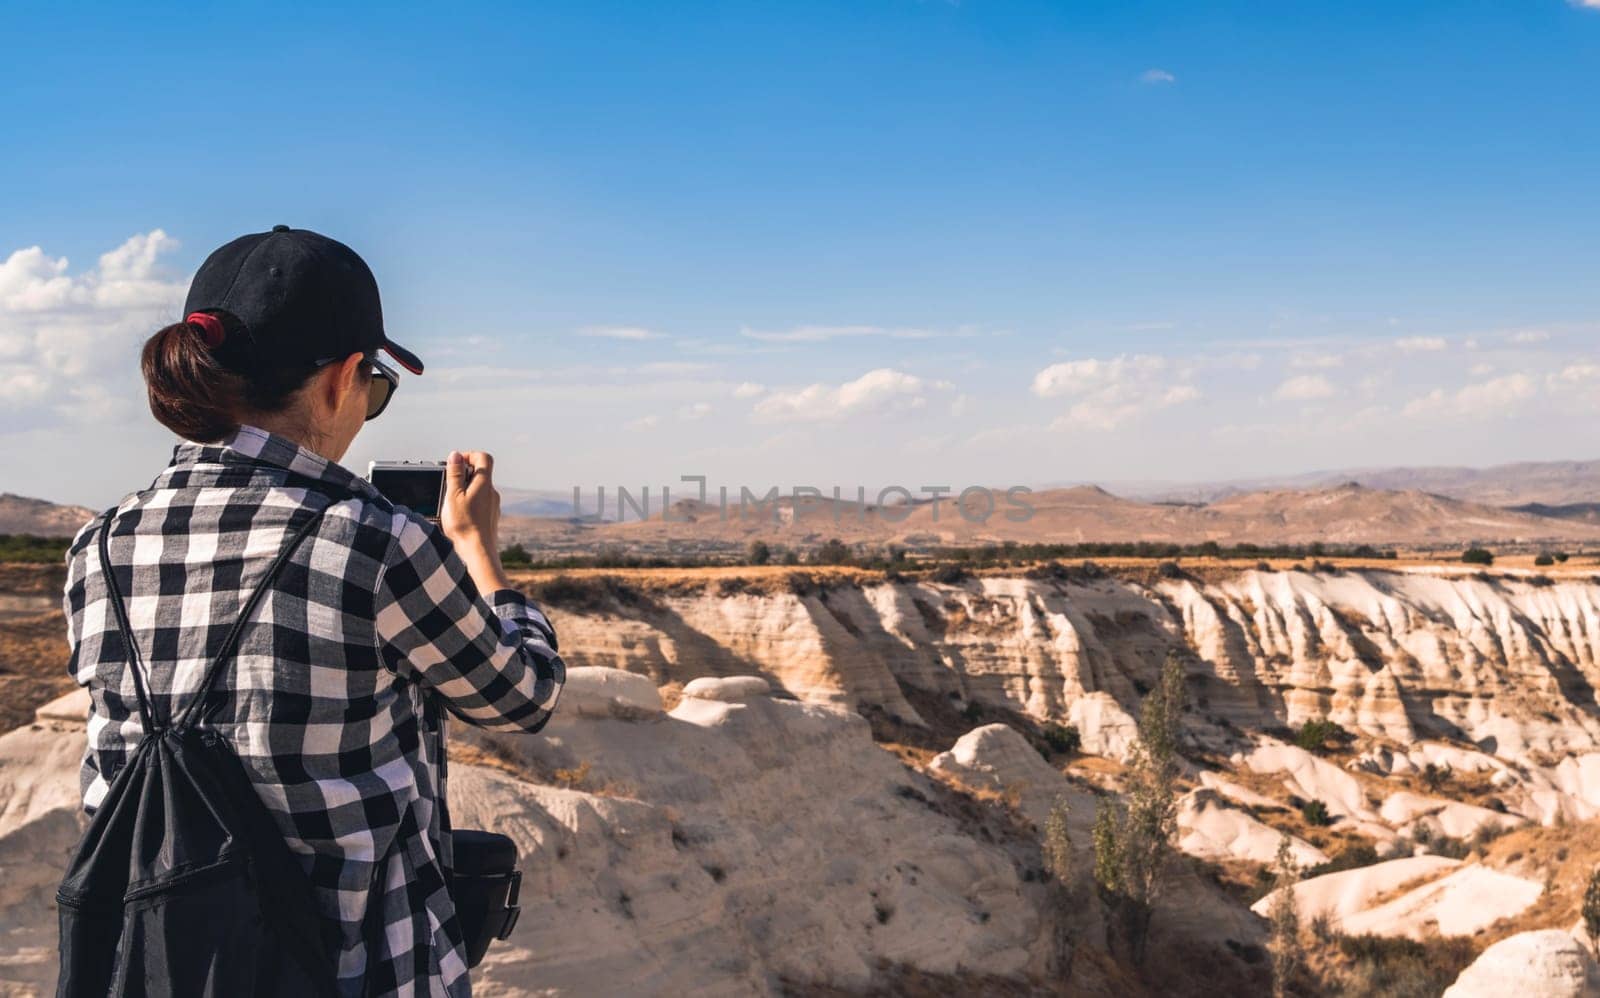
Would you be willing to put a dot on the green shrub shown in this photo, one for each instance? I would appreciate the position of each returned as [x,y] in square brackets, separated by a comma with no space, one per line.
[1450,847]
[1545,559]
[1313,735]
[1315,813]
[1061,737]
[1349,858]
[31,549]
[758,553]
[1477,556]
[515,556]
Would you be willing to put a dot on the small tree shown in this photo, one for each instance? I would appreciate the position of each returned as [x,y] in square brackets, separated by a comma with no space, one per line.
[1133,838]
[759,553]
[1545,559]
[1057,845]
[1477,556]
[1284,916]
[1434,777]
[1591,909]
[831,552]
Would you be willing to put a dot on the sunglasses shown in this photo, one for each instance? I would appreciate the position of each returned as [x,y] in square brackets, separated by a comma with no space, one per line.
[381,389]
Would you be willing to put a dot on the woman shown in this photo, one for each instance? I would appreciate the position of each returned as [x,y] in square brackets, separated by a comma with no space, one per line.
[377,622]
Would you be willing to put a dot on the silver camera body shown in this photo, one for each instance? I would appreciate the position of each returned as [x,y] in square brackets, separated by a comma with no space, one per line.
[417,485]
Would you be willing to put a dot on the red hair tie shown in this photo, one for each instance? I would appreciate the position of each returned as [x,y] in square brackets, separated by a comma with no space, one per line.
[211,328]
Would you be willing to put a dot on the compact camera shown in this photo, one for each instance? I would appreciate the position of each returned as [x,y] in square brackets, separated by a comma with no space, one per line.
[416,485]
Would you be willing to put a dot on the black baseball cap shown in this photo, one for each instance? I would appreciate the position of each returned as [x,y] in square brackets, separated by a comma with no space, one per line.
[299,297]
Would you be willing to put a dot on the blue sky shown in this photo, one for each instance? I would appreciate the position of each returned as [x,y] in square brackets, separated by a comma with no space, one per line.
[833,243]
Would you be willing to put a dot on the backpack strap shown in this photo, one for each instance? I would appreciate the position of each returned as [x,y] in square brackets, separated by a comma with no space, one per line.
[148,713]
[147,709]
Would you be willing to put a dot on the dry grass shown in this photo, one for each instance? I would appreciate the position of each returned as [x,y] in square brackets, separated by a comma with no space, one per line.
[1383,967]
[671,695]
[767,580]
[33,665]
[1561,857]
[581,777]
[33,580]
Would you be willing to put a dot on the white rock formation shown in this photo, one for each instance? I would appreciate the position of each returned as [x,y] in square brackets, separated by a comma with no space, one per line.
[1210,828]
[1234,792]
[1347,893]
[1407,812]
[1311,778]
[1416,897]
[1104,727]
[601,692]
[1544,964]
[1399,655]
[996,757]
[730,689]
[721,848]
[1460,903]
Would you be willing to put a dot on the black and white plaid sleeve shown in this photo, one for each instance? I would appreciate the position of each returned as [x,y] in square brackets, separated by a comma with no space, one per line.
[493,660]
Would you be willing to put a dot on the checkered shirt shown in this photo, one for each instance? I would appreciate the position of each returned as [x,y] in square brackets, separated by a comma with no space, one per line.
[336,699]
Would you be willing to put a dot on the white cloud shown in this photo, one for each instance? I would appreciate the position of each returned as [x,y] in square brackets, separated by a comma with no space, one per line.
[880,392]
[1591,4]
[643,423]
[1305,388]
[1076,377]
[1480,400]
[1420,344]
[669,368]
[68,343]
[821,334]
[1528,337]
[748,389]
[1111,392]
[631,333]
[695,410]
[1317,361]
[1179,394]
[1580,372]
[1157,77]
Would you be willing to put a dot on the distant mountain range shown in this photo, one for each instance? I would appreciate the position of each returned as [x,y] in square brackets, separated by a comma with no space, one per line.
[1346,515]
[1551,483]
[1531,503]
[21,515]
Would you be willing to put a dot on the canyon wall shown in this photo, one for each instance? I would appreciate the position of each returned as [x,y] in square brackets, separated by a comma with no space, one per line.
[1508,663]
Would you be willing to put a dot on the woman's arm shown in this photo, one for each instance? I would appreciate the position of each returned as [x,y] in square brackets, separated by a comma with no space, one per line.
[447,615]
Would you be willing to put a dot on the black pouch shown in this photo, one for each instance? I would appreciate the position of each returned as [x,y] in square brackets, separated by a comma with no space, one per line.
[485,887]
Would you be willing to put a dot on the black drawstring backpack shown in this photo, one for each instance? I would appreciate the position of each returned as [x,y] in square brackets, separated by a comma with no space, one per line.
[183,884]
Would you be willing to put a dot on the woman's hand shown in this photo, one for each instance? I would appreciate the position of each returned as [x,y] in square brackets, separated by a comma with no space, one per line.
[470,517]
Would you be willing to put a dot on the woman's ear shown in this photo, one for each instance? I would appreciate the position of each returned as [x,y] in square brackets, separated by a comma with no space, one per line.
[343,379]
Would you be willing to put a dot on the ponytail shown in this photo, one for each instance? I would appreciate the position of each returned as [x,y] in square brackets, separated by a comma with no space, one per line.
[191,369]
[191,393]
